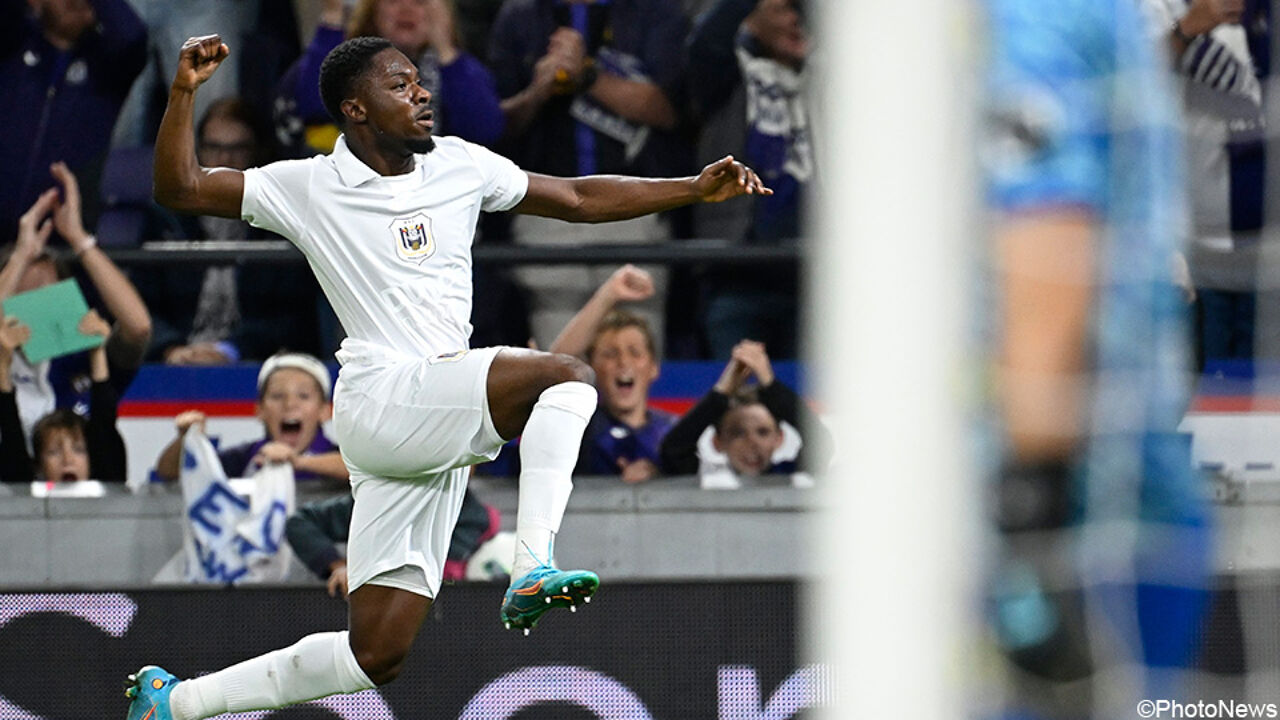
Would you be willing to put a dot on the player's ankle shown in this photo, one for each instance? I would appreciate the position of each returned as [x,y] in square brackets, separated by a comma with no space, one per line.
[523,565]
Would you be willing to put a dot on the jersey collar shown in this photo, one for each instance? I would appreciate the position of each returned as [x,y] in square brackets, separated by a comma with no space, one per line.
[351,169]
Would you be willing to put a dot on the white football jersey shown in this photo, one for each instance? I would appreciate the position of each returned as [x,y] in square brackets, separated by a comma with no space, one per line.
[393,254]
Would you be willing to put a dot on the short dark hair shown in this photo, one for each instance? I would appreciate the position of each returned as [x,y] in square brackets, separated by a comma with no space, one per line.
[744,396]
[60,419]
[342,68]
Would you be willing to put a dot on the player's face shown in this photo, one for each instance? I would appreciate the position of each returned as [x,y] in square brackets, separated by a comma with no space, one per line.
[749,435]
[404,23]
[64,456]
[396,106]
[292,408]
[624,371]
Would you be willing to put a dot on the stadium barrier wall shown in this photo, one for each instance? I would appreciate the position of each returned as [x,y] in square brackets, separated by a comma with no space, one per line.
[665,529]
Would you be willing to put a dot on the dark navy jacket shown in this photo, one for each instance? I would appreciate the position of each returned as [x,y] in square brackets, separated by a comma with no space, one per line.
[61,105]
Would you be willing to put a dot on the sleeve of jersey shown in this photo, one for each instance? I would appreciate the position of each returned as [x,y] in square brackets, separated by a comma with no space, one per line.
[1046,110]
[276,197]
[504,182]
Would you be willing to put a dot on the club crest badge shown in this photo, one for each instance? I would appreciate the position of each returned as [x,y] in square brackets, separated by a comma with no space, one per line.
[413,238]
[454,356]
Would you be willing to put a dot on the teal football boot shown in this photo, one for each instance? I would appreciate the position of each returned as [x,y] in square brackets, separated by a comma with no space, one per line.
[148,691]
[543,588]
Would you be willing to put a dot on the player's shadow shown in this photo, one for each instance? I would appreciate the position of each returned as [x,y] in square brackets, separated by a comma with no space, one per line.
[43,658]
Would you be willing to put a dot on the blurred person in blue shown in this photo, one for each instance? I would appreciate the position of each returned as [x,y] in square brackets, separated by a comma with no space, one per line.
[590,87]
[66,67]
[1085,189]
[464,98]
[747,89]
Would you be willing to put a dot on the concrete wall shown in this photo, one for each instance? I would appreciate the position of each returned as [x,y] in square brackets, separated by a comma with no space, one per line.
[667,529]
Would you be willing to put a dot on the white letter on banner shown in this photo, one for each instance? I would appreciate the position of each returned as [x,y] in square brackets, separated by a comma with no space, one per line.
[739,693]
[604,696]
[110,612]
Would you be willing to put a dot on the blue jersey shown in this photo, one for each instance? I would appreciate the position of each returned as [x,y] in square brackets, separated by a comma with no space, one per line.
[608,440]
[1082,115]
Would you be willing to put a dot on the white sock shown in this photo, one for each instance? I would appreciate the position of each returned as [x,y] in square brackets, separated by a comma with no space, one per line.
[548,451]
[314,667]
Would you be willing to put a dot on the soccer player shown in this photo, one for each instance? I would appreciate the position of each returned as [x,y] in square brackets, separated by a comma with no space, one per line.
[386,222]
[1104,524]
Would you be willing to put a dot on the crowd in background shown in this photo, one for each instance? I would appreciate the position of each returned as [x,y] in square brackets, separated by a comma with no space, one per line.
[1085,157]
[566,87]
[641,87]
[563,88]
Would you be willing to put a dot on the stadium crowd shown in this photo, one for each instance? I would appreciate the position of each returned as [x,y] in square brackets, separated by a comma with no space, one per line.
[642,87]
[561,87]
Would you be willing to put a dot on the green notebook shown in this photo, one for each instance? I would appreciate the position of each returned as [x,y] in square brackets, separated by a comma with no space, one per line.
[53,313]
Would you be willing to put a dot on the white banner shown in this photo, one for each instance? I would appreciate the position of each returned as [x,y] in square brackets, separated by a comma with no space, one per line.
[230,537]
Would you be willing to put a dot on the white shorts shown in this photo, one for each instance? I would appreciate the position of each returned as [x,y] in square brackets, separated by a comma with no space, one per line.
[408,431]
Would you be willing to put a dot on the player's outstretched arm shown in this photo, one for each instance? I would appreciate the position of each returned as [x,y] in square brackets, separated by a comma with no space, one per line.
[604,198]
[180,183]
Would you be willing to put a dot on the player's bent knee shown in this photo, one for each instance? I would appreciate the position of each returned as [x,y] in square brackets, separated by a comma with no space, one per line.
[382,665]
[572,369]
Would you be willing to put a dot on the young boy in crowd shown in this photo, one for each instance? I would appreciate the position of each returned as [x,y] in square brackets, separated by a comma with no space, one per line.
[623,435]
[293,402]
[66,446]
[747,426]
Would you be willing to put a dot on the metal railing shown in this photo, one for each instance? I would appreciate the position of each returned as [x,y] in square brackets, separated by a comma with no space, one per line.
[676,252]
